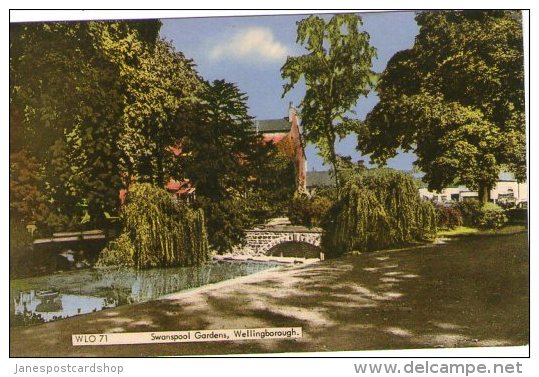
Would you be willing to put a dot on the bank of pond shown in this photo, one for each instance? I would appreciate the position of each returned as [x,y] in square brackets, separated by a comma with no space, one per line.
[60,295]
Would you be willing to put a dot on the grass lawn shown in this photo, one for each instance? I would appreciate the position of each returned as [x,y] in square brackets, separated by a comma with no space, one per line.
[470,291]
[465,230]
[460,230]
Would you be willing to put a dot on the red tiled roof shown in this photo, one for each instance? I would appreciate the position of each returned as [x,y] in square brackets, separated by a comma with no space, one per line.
[177,150]
[275,138]
[179,187]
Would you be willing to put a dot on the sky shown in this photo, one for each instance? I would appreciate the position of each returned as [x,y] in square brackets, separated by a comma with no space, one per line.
[250,51]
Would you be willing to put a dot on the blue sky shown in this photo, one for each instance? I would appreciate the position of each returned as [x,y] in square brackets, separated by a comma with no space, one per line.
[250,51]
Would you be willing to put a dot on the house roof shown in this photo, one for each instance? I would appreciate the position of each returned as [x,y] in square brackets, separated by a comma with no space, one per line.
[275,139]
[179,188]
[319,179]
[273,125]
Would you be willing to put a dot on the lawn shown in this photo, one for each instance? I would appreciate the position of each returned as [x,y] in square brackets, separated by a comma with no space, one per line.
[471,291]
[465,230]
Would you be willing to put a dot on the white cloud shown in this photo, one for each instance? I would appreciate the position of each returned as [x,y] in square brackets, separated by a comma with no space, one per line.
[254,43]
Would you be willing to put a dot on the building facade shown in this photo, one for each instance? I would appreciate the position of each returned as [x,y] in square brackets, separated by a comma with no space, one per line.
[285,133]
[507,191]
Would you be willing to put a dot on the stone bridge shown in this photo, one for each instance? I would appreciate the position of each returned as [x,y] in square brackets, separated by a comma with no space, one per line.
[259,241]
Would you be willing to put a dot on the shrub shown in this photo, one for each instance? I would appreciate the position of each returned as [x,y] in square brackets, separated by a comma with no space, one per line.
[119,252]
[484,216]
[298,210]
[448,217]
[517,216]
[491,216]
[157,231]
[378,209]
[20,249]
[470,210]
[226,221]
[308,211]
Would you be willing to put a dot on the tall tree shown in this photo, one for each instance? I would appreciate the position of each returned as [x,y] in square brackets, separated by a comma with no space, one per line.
[218,148]
[239,179]
[336,71]
[64,100]
[219,142]
[161,92]
[456,99]
[66,106]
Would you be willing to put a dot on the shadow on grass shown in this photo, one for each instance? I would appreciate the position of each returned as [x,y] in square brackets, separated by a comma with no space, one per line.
[468,292]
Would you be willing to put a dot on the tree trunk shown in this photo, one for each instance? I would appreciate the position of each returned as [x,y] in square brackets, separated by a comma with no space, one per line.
[484,193]
[334,164]
[160,174]
[333,156]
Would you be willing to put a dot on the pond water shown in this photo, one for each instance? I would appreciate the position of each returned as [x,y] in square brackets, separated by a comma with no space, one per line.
[65,294]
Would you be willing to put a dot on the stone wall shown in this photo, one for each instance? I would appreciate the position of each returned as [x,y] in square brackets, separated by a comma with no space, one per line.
[259,242]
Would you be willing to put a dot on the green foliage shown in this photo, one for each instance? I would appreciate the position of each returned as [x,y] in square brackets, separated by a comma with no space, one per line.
[98,104]
[456,99]
[119,252]
[470,209]
[336,71]
[376,210]
[517,216]
[161,97]
[273,183]
[218,147]
[239,180]
[491,216]
[19,237]
[226,221]
[219,144]
[67,96]
[27,201]
[483,216]
[158,231]
[307,211]
[448,217]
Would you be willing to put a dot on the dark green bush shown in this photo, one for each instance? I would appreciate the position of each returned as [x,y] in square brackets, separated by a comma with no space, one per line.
[470,210]
[226,221]
[157,231]
[491,216]
[483,216]
[448,217]
[517,216]
[308,211]
[20,249]
[378,209]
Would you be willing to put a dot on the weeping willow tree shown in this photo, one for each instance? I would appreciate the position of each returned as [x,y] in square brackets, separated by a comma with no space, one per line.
[157,232]
[378,209]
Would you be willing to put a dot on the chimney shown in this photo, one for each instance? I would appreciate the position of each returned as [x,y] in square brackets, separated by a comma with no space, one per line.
[291,111]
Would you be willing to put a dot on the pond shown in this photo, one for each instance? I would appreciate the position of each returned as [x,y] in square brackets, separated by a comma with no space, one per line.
[65,294]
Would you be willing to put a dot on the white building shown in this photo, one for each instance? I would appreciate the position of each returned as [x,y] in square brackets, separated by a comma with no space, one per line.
[507,189]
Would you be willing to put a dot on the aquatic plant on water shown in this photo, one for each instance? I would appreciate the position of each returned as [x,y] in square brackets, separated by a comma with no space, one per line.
[378,209]
[157,232]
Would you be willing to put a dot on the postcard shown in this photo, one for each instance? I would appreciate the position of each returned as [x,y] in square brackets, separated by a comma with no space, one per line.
[268,184]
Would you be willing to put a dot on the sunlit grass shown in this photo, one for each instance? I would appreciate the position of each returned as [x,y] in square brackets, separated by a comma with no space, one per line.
[457,231]
[465,230]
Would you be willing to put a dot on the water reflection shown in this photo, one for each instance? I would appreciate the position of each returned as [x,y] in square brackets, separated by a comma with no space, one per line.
[61,295]
[61,306]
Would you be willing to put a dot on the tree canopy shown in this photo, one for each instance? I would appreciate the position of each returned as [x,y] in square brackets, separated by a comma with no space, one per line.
[97,104]
[377,209]
[337,71]
[456,99]
[65,107]
[237,177]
